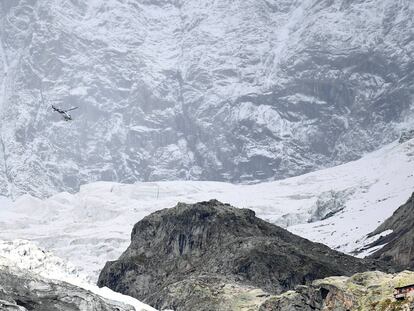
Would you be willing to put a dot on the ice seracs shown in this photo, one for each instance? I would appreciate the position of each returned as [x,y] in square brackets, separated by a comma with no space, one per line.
[346,203]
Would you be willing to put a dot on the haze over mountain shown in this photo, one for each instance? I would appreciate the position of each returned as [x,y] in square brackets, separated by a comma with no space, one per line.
[226,90]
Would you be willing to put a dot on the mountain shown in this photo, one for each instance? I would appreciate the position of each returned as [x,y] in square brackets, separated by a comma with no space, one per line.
[38,280]
[398,245]
[178,254]
[93,225]
[236,91]
[378,185]
[23,291]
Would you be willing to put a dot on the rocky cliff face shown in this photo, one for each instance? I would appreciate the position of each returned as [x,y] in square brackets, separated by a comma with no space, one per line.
[399,244]
[187,89]
[36,280]
[22,290]
[180,257]
[368,291]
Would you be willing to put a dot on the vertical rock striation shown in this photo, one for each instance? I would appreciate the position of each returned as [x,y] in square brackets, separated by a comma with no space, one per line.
[235,91]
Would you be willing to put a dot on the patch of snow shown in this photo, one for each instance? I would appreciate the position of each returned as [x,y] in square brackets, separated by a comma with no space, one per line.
[27,256]
[79,91]
[363,252]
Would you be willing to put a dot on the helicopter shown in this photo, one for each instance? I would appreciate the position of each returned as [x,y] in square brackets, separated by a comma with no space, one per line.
[66,116]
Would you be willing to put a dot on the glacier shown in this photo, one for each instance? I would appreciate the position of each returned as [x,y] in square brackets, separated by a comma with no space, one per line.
[93,225]
[234,91]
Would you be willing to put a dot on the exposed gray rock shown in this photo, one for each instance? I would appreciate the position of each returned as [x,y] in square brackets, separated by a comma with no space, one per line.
[303,299]
[232,90]
[211,293]
[23,290]
[173,251]
[406,136]
[10,306]
[368,291]
[399,245]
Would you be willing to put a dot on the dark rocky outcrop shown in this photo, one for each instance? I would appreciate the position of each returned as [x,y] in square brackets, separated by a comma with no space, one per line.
[368,291]
[399,245]
[406,135]
[25,291]
[178,256]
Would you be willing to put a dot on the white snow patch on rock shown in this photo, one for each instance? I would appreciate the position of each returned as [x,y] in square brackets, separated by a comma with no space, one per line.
[27,256]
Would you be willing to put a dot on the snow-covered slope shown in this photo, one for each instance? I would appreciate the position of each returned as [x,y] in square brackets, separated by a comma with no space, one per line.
[94,225]
[27,256]
[230,90]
